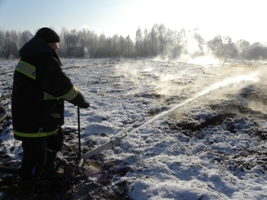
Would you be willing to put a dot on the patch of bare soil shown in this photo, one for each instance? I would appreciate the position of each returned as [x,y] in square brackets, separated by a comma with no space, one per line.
[96,179]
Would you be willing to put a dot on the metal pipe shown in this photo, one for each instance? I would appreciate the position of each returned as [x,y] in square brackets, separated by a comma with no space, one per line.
[79,133]
[111,143]
[9,170]
[4,112]
[2,109]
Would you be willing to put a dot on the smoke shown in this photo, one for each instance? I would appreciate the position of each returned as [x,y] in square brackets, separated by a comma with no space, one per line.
[192,45]
[128,72]
[188,46]
[205,60]
[86,52]
[187,80]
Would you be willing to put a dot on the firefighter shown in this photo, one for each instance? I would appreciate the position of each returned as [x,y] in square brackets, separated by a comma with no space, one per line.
[40,88]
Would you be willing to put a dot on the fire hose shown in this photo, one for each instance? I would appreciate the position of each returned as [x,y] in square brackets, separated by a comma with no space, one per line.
[2,109]
[113,142]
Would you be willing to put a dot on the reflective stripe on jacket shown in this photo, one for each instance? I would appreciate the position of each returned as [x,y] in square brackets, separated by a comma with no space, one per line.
[35,135]
[68,97]
[26,69]
[30,71]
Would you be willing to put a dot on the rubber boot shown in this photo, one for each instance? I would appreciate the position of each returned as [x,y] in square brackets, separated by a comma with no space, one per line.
[26,188]
[50,171]
[50,165]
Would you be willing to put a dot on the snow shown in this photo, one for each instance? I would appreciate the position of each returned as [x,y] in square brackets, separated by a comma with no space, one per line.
[161,106]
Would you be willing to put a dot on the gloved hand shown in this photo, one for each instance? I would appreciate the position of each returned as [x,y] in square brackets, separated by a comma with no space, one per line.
[85,104]
[80,101]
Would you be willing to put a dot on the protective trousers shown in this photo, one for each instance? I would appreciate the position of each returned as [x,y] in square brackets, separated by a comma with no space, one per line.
[39,156]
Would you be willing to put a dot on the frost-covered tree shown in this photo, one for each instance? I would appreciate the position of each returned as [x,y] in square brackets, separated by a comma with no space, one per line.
[123,43]
[25,37]
[255,52]
[162,38]
[2,40]
[102,47]
[10,46]
[223,48]
[139,49]
[71,42]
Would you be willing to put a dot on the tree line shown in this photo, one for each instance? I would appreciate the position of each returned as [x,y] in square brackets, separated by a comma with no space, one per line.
[159,41]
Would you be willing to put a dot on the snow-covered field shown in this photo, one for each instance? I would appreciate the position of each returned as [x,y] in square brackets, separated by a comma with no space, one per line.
[195,130]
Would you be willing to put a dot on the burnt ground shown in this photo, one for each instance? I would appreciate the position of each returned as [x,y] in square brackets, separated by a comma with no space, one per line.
[238,117]
[95,180]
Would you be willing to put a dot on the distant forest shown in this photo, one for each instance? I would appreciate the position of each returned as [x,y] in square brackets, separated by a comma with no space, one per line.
[157,42]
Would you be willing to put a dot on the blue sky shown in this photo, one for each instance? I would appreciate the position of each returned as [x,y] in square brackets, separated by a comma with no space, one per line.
[239,19]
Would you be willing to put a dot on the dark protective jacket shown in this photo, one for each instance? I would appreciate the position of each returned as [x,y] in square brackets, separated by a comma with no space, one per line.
[39,90]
